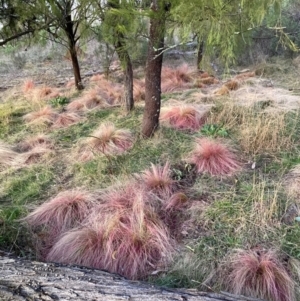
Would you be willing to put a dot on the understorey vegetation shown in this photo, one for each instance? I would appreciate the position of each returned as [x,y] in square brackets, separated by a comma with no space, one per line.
[210,202]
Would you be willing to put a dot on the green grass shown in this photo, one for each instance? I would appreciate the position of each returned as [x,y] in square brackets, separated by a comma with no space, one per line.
[19,191]
[242,211]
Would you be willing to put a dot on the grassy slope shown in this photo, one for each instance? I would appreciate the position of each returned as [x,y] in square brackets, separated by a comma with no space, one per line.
[243,211]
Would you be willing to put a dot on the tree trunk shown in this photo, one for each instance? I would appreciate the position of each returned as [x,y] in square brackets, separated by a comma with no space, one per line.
[153,68]
[24,280]
[126,64]
[76,68]
[71,34]
[200,54]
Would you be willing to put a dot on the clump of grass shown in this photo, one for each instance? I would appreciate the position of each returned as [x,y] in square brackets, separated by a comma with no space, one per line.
[109,91]
[124,236]
[213,157]
[107,140]
[75,105]
[8,156]
[67,210]
[31,142]
[256,132]
[158,180]
[28,86]
[91,99]
[66,119]
[175,79]
[259,273]
[184,117]
[46,115]
[34,155]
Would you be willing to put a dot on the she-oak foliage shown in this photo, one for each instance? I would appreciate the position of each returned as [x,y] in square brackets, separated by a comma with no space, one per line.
[224,26]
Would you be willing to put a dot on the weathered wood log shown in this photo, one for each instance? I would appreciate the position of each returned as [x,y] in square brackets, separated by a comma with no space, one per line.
[30,280]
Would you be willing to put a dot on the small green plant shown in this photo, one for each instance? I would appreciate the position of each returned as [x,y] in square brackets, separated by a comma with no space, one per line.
[214,130]
[59,101]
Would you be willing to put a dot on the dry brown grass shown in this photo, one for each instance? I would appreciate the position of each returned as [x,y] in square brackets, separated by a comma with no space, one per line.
[35,155]
[66,119]
[46,115]
[221,91]
[106,140]
[232,85]
[292,182]
[31,142]
[257,131]
[138,90]
[8,156]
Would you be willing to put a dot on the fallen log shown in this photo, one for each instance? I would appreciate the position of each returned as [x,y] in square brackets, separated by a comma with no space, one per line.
[31,280]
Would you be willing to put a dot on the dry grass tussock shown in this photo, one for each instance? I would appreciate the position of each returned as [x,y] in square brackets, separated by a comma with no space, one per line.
[35,155]
[46,115]
[8,157]
[259,273]
[175,79]
[256,91]
[257,131]
[106,140]
[183,117]
[31,142]
[110,92]
[66,119]
[90,100]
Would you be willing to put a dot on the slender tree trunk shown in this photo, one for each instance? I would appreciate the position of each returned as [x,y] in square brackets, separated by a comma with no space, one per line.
[153,68]
[71,34]
[76,68]
[126,64]
[200,54]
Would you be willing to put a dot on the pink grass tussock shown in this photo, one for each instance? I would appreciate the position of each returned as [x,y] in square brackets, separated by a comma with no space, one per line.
[259,273]
[183,117]
[108,140]
[175,79]
[46,115]
[31,142]
[65,211]
[28,86]
[158,180]
[111,92]
[124,237]
[214,158]
[66,119]
[34,155]
[76,105]
[91,99]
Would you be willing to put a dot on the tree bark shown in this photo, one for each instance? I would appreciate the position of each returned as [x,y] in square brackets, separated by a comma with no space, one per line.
[153,68]
[200,54]
[22,280]
[126,64]
[71,34]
